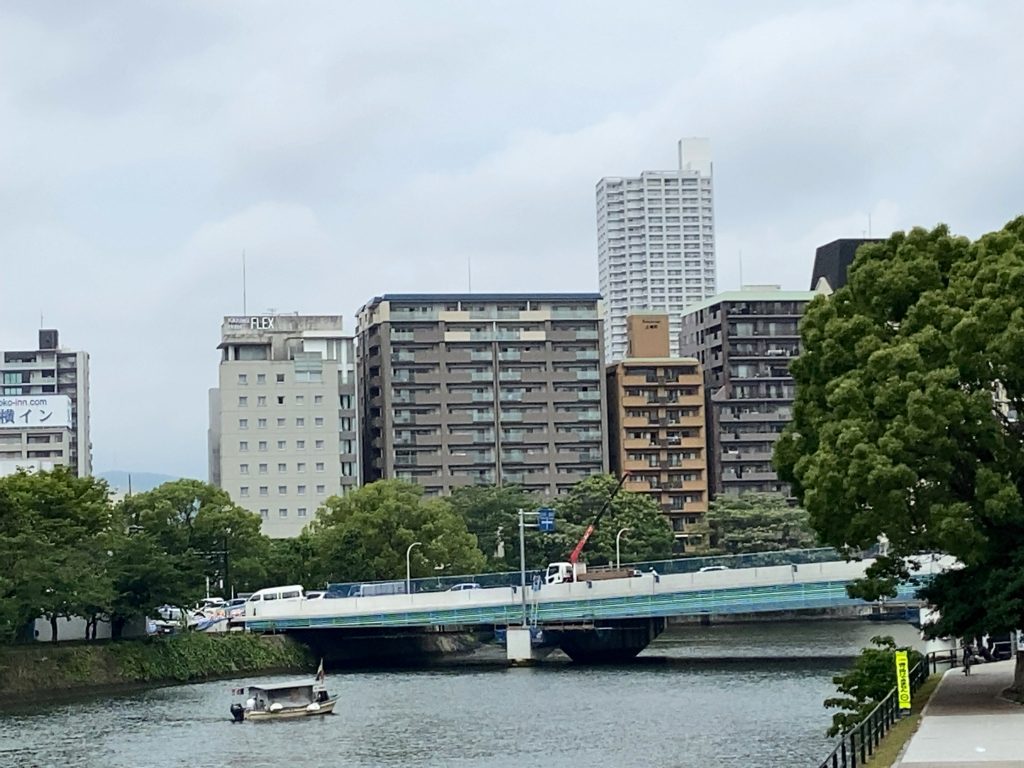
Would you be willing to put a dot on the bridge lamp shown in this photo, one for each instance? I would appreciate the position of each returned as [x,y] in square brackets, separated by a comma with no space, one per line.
[408,566]
[618,536]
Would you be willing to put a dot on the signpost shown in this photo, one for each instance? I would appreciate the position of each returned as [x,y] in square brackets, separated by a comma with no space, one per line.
[545,523]
[546,519]
[903,682]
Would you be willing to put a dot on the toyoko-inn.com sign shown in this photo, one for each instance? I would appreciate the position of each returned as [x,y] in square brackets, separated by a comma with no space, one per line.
[41,411]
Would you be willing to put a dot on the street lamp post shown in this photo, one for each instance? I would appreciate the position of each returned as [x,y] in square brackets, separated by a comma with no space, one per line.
[408,567]
[617,537]
[522,561]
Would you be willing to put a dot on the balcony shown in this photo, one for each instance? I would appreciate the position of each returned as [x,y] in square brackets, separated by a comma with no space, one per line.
[481,376]
[510,376]
[590,395]
[482,397]
[588,376]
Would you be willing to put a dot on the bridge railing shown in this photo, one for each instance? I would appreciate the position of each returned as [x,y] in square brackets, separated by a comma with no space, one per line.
[860,742]
[681,565]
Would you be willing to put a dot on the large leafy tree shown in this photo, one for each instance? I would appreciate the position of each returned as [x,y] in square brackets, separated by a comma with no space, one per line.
[363,535]
[204,531]
[905,421]
[55,529]
[758,522]
[649,538]
[491,513]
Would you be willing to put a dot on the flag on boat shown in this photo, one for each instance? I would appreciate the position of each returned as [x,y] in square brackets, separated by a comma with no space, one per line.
[320,672]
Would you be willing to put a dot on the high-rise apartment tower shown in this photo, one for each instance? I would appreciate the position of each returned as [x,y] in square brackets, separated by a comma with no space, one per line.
[44,408]
[496,389]
[656,243]
[284,432]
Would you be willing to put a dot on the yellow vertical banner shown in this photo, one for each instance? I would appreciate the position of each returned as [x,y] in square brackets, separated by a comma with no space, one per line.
[903,679]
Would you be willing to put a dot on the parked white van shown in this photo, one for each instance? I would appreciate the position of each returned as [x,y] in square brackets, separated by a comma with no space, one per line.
[272,596]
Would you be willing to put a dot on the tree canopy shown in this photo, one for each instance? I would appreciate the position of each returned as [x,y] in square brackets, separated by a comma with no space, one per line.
[909,386]
[758,522]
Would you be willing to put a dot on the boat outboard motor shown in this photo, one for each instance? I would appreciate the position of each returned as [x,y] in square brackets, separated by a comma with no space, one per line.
[238,712]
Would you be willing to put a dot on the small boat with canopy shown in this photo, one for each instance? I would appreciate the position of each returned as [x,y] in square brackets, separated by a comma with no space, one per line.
[284,701]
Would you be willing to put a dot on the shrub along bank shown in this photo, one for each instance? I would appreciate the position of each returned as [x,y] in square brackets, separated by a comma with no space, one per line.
[44,670]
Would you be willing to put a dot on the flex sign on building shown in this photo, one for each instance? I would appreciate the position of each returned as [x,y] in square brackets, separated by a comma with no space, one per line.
[35,411]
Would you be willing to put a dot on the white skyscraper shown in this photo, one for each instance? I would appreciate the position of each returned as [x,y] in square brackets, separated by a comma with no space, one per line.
[656,243]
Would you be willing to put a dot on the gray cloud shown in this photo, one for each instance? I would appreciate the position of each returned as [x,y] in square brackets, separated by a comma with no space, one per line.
[354,150]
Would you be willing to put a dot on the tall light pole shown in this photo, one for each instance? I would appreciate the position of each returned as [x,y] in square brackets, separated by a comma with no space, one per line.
[522,561]
[408,567]
[617,537]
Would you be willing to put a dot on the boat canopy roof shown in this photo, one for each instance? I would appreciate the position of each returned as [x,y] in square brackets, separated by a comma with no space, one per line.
[281,686]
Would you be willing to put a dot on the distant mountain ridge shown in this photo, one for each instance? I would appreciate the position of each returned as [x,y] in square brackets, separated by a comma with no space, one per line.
[141,481]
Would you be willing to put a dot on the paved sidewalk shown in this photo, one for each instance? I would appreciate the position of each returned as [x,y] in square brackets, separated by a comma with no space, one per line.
[966,723]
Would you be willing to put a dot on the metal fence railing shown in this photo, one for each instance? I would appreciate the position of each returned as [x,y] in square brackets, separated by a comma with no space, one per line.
[860,742]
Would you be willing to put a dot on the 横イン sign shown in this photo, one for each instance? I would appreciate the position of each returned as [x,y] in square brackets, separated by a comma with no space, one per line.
[45,411]
[903,679]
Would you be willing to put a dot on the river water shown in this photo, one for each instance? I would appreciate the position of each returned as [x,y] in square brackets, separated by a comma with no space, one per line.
[740,695]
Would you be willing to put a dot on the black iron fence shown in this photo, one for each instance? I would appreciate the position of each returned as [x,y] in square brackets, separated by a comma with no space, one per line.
[860,742]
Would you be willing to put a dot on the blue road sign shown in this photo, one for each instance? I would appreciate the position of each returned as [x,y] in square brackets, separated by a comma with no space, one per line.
[546,519]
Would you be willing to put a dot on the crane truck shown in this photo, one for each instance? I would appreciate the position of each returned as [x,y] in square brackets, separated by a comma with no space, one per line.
[573,569]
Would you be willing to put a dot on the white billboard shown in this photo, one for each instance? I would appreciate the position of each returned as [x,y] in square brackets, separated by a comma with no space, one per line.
[35,412]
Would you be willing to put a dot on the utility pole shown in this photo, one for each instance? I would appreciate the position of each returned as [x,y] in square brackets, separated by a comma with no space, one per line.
[522,561]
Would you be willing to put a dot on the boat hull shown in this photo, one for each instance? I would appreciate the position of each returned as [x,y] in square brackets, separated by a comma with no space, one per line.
[291,713]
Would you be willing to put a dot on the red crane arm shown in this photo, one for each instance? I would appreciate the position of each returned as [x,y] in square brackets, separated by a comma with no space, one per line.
[575,555]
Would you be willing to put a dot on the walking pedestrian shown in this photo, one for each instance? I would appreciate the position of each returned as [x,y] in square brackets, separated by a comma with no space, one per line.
[968,658]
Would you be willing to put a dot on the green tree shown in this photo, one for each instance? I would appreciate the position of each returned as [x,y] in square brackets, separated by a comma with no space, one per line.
[905,422]
[57,526]
[863,687]
[758,522]
[649,538]
[363,535]
[491,513]
[207,534]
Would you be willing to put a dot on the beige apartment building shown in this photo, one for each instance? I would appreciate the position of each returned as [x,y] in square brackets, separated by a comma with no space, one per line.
[464,389]
[284,431]
[44,408]
[656,427]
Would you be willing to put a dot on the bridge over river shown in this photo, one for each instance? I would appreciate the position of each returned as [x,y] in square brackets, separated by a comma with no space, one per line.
[590,620]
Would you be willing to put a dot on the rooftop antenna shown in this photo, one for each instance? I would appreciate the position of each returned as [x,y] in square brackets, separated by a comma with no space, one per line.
[40,320]
[244,304]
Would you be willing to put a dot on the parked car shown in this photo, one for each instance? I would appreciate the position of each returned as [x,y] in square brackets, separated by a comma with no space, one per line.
[464,586]
[314,595]
[707,568]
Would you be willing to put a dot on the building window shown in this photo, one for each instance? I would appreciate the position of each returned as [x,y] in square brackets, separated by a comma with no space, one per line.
[345,401]
[321,490]
[301,490]
[243,379]
[347,468]
[300,467]
[280,378]
[346,424]
[261,378]
[261,423]
[261,401]
[280,399]
[281,422]
[282,467]
[300,399]
[282,490]
[243,469]
[319,445]
[319,466]
[317,399]
[263,469]
[243,401]
[244,491]
[282,444]
[301,511]
[283,512]
[264,490]
[318,421]
[243,423]
[264,513]
[300,445]
[243,446]
[300,422]
[263,445]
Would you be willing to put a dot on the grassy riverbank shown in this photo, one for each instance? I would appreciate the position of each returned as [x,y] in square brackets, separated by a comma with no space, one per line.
[52,669]
[887,752]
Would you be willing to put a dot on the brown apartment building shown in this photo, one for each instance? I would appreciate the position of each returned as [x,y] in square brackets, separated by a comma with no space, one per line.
[465,389]
[656,427]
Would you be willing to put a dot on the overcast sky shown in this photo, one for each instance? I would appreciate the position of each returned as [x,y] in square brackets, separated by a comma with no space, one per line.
[357,148]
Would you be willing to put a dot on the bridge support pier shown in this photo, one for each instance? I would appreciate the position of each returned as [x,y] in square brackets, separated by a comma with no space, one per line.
[611,641]
[519,646]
